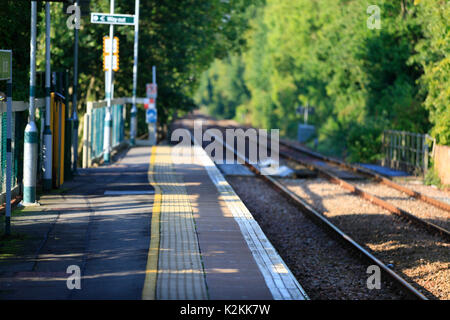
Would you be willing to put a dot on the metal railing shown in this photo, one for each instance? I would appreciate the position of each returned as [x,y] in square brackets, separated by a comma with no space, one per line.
[18,123]
[93,137]
[94,125]
[407,151]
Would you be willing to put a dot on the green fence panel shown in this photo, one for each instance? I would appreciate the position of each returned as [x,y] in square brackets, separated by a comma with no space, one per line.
[3,152]
[16,152]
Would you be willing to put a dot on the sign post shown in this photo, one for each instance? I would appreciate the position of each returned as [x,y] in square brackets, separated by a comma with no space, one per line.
[75,120]
[6,74]
[133,115]
[31,132]
[47,131]
[107,52]
[111,19]
[305,131]
[152,113]
[305,110]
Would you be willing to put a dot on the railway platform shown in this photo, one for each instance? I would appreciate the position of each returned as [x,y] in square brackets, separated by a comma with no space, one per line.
[162,223]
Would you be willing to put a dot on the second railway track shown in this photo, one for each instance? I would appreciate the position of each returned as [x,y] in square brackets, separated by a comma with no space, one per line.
[355,188]
[428,247]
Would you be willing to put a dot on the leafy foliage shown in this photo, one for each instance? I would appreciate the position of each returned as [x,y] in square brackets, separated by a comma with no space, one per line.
[434,55]
[360,80]
[181,38]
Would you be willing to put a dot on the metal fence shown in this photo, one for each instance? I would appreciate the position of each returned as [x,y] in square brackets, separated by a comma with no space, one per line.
[407,151]
[94,125]
[93,137]
[18,123]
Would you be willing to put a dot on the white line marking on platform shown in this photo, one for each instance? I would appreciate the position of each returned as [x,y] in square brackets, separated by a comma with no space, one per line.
[279,279]
[127,192]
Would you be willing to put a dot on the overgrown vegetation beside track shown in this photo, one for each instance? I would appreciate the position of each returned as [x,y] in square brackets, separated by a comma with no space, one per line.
[360,80]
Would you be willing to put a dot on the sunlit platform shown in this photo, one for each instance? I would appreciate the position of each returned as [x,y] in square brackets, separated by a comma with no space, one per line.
[162,223]
[209,246]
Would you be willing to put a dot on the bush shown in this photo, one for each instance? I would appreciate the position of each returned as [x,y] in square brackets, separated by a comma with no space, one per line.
[432,178]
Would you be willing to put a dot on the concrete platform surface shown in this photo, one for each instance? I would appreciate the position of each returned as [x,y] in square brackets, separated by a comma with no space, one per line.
[158,224]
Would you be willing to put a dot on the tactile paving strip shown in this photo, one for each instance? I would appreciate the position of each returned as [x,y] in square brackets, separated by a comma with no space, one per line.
[180,272]
[280,280]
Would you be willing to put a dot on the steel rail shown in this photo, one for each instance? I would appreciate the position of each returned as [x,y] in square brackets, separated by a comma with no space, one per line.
[431,227]
[324,222]
[367,172]
[420,196]
[428,226]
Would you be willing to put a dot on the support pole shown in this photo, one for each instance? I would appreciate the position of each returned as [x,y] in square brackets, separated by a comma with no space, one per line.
[152,129]
[31,133]
[133,118]
[75,120]
[47,184]
[8,150]
[108,94]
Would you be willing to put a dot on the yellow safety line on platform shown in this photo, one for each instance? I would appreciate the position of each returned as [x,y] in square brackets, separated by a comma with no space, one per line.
[151,273]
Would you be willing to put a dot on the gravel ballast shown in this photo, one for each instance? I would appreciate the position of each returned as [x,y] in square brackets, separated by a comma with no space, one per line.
[322,266]
[414,206]
[419,257]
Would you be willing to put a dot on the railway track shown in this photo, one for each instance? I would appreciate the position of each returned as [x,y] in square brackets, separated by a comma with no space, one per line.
[335,167]
[292,153]
[369,173]
[326,225]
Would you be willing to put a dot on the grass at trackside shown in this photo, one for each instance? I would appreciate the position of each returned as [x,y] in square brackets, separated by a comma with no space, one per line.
[15,243]
[11,245]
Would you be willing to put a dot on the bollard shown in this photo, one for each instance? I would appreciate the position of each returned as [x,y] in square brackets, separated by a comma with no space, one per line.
[133,125]
[107,136]
[76,124]
[86,139]
[30,163]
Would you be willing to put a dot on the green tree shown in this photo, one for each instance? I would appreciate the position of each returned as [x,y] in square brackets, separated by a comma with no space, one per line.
[361,80]
[433,53]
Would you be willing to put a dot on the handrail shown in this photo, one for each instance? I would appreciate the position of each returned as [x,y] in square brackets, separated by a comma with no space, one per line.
[103,103]
[18,106]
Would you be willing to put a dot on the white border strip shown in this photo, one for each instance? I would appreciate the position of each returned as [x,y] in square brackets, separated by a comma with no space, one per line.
[127,192]
[279,279]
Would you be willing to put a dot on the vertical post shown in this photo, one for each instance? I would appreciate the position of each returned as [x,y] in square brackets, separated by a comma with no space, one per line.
[8,150]
[47,184]
[425,155]
[417,151]
[86,135]
[75,120]
[152,126]
[91,138]
[305,115]
[85,139]
[108,94]
[31,133]
[133,115]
